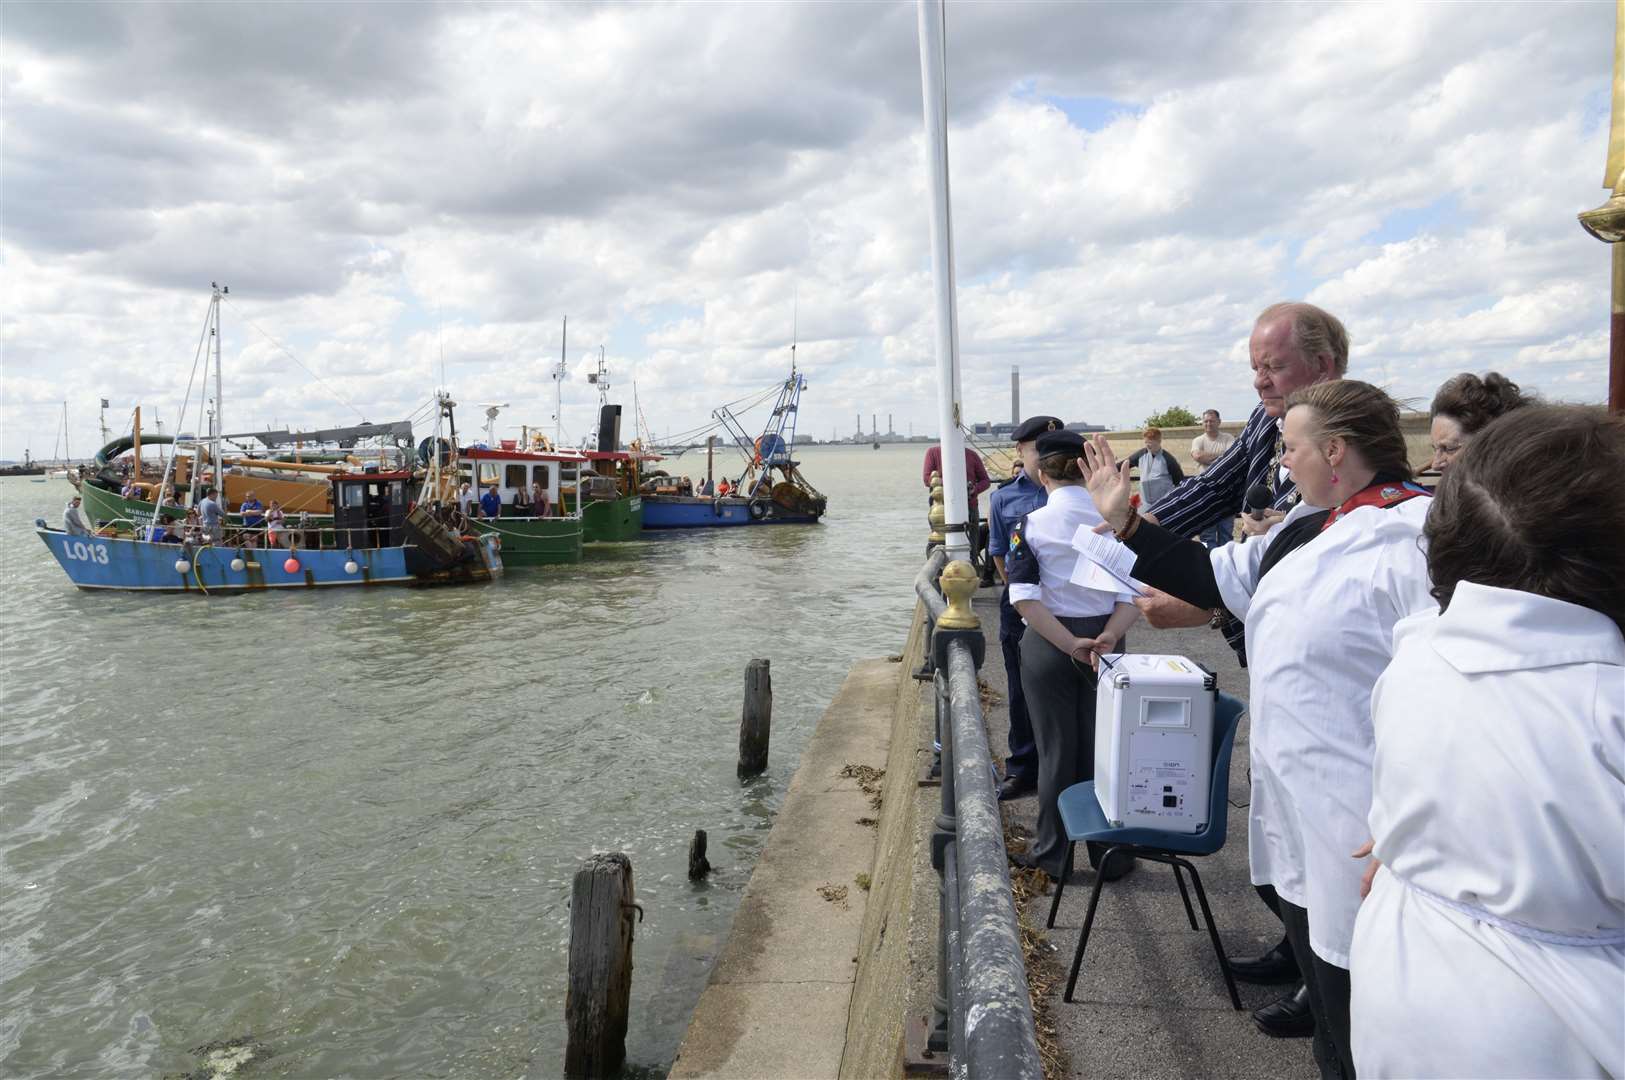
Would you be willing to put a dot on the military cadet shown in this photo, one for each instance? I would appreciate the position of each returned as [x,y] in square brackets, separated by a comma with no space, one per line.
[1006,507]
[1070,626]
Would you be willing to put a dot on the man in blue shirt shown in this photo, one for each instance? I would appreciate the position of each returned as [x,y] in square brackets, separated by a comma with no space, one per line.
[1007,506]
[491,502]
[253,512]
[213,516]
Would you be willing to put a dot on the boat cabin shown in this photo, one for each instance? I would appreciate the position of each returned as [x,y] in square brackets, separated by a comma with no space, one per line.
[369,508]
[512,470]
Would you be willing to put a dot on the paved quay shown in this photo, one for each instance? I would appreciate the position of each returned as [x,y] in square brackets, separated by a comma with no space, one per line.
[1150,1001]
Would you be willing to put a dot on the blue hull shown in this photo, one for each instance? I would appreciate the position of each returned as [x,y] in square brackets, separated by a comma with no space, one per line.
[689,512]
[95,562]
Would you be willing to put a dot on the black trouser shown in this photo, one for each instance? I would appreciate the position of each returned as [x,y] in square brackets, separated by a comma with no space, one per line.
[1061,703]
[1022,763]
[1328,987]
[1266,893]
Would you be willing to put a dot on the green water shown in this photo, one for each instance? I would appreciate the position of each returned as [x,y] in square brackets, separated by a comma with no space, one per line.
[343,823]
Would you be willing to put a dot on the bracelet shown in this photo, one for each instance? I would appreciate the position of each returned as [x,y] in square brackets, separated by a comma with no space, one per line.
[1131,524]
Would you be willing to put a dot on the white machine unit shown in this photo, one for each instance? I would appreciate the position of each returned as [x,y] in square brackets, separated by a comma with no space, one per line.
[1154,742]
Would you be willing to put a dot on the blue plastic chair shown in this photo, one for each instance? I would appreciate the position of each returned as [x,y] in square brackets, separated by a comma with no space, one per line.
[1084,820]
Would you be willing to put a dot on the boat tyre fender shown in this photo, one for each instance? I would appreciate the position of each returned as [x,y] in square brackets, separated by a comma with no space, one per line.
[758,509]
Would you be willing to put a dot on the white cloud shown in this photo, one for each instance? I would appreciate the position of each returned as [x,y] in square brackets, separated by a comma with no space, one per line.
[386,185]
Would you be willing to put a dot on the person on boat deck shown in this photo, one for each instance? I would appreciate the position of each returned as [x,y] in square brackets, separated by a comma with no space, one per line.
[723,487]
[491,502]
[73,519]
[1069,626]
[252,511]
[521,501]
[191,528]
[212,515]
[1492,942]
[128,491]
[541,505]
[465,496]
[1319,594]
[161,534]
[273,522]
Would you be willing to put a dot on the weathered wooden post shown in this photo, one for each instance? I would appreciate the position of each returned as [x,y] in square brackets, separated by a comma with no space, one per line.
[698,864]
[756,723]
[599,995]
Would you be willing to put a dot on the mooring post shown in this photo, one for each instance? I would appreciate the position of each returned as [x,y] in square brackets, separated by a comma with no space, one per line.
[599,994]
[698,864]
[756,723]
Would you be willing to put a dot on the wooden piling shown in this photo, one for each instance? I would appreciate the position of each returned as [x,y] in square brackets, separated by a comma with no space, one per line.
[756,723]
[599,994]
[698,864]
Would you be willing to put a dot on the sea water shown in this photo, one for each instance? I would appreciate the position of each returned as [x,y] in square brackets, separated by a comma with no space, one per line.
[332,833]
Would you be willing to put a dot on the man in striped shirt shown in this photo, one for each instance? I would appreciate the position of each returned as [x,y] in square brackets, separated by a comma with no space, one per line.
[1293,345]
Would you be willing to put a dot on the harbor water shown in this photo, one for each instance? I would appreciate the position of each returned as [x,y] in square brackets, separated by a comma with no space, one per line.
[336,830]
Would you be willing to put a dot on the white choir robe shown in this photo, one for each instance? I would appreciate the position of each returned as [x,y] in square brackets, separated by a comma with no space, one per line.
[1498,812]
[1319,632]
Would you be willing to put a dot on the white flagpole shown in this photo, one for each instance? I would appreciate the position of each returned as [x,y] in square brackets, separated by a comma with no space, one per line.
[933,52]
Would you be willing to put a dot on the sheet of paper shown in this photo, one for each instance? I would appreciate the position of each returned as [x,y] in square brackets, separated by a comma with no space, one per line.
[1104,550]
[1091,575]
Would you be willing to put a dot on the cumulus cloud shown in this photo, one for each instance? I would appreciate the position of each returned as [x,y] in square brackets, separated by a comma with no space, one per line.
[404,193]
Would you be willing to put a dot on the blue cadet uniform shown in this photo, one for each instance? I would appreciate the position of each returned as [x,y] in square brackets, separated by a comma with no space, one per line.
[1059,692]
[1006,508]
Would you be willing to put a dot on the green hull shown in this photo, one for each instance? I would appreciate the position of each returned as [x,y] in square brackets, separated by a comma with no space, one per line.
[614,521]
[535,541]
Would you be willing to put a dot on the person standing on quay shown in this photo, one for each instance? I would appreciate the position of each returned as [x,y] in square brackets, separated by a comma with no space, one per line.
[1006,508]
[1207,448]
[976,481]
[1293,346]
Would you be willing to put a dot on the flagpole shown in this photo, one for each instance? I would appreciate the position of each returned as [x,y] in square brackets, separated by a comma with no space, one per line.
[1607,222]
[933,83]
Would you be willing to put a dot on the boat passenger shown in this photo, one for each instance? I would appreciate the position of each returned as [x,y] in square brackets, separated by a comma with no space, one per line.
[73,519]
[212,515]
[723,487]
[253,511]
[465,496]
[192,529]
[539,501]
[491,502]
[521,501]
[273,523]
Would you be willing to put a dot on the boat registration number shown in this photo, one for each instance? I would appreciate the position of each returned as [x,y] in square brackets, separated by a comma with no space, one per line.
[78,549]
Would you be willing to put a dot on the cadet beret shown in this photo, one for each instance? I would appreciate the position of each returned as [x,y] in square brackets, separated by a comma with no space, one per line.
[1060,442]
[1033,427]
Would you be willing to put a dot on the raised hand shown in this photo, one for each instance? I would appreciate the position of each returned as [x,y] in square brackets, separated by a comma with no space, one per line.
[1107,481]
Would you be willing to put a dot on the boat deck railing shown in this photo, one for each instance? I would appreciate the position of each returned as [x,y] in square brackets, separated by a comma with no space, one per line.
[982,1015]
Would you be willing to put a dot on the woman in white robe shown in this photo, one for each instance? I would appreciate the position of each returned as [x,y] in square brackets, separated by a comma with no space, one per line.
[1493,940]
[1320,594]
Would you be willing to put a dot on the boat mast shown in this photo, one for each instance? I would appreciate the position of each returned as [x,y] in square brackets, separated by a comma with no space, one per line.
[559,373]
[216,419]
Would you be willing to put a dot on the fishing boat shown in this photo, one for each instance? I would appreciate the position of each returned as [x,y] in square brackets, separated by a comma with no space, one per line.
[378,536]
[27,467]
[531,535]
[769,491]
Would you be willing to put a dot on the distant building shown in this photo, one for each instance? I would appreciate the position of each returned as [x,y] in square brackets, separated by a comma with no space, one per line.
[990,430]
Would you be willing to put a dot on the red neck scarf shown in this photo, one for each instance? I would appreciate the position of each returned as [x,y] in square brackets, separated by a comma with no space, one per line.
[1383,494]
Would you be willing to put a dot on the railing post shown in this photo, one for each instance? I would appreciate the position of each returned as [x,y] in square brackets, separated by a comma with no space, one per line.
[943,831]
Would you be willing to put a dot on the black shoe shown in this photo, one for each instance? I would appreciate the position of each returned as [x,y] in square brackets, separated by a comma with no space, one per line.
[1016,787]
[1024,859]
[1288,1018]
[1276,967]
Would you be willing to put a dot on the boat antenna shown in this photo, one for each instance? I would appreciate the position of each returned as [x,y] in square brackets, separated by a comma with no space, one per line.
[561,370]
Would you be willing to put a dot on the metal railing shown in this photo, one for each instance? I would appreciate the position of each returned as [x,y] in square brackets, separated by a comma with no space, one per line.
[982,1015]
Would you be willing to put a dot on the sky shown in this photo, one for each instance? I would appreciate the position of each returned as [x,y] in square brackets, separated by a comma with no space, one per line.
[407,196]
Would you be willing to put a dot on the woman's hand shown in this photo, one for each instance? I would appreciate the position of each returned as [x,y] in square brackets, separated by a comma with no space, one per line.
[1364,852]
[1107,481]
[1090,649]
[1263,523]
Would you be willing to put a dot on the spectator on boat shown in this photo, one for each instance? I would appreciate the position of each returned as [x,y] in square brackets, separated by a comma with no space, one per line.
[73,519]
[521,501]
[253,511]
[723,487]
[541,504]
[192,527]
[491,502]
[302,536]
[1466,404]
[465,496]
[1492,942]
[1159,472]
[160,534]
[128,490]
[213,516]
[273,522]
